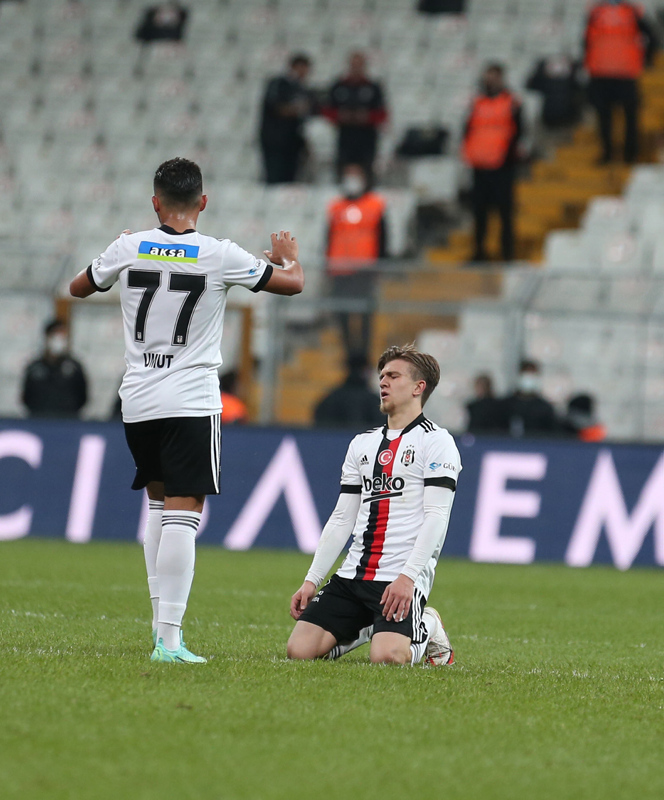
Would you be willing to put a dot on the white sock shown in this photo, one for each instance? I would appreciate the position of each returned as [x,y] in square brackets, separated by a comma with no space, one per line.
[150,550]
[175,572]
[341,649]
[418,649]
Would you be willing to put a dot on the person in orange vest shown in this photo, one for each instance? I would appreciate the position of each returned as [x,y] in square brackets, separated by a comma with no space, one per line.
[356,239]
[581,421]
[618,44]
[490,143]
[234,411]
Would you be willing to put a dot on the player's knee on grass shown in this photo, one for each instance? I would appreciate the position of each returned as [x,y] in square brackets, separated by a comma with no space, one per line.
[390,648]
[308,642]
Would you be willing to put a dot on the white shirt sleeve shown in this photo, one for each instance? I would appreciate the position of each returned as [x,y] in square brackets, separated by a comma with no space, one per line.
[350,472]
[335,535]
[106,268]
[437,508]
[442,462]
[243,269]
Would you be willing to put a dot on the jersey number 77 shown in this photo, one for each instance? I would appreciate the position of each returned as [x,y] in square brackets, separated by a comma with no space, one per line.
[149,281]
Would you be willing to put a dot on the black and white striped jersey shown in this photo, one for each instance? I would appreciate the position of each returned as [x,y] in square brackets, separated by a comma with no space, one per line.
[390,470]
[173,293]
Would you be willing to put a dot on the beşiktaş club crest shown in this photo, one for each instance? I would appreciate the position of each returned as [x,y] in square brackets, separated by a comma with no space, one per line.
[409,456]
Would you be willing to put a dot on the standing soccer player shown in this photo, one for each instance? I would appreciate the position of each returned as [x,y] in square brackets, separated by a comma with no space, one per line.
[173,287]
[397,489]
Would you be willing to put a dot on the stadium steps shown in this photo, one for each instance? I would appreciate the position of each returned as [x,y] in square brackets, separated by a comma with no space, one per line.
[313,371]
[557,192]
[308,376]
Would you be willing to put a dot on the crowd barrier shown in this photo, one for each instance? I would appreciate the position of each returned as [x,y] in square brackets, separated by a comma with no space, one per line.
[517,501]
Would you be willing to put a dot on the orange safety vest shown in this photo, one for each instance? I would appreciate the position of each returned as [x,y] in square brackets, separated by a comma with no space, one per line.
[593,433]
[234,410]
[354,236]
[614,45]
[491,129]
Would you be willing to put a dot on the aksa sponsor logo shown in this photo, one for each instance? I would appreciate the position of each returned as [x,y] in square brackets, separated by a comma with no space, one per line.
[156,251]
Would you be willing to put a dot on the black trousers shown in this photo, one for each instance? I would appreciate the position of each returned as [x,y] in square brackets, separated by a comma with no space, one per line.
[356,326]
[494,188]
[281,163]
[356,145]
[605,94]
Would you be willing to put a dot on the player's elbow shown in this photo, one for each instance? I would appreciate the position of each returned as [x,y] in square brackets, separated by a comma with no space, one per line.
[296,286]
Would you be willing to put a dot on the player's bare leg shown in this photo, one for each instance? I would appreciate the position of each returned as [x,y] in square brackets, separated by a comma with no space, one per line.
[390,648]
[308,642]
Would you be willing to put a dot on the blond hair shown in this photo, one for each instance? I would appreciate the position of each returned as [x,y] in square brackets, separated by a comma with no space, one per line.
[423,367]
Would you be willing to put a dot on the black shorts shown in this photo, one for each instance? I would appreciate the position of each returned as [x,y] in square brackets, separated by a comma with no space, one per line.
[344,606]
[183,453]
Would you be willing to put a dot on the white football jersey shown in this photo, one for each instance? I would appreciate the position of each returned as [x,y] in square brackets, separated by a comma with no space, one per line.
[391,474]
[173,293]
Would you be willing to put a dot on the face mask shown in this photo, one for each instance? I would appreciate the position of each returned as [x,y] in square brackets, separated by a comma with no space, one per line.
[528,382]
[57,344]
[491,91]
[353,186]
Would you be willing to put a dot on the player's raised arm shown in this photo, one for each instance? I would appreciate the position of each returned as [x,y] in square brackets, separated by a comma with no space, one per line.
[285,251]
[82,286]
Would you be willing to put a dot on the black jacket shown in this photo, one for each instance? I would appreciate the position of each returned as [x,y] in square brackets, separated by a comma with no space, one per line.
[54,387]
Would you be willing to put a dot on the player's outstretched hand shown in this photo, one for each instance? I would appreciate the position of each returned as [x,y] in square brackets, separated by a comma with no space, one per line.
[300,600]
[284,248]
[397,598]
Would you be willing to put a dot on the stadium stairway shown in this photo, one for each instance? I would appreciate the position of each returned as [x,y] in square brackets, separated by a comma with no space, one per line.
[557,191]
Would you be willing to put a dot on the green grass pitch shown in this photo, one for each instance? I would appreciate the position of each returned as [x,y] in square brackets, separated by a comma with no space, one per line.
[558,689]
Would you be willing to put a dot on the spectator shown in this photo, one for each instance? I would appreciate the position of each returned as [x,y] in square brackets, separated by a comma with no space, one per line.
[357,238]
[353,404]
[486,413]
[526,410]
[163,23]
[286,104]
[580,420]
[54,385]
[233,410]
[618,42]
[356,105]
[491,137]
[557,78]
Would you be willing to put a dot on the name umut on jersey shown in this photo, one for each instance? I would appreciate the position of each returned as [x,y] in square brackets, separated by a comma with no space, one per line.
[173,291]
[391,474]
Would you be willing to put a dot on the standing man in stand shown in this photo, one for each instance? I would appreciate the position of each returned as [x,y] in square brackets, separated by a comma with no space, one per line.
[492,133]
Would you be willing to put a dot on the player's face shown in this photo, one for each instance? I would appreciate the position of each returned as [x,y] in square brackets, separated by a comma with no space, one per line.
[398,388]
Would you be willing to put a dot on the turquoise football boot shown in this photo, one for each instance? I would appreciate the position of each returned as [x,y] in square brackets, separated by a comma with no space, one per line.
[180,656]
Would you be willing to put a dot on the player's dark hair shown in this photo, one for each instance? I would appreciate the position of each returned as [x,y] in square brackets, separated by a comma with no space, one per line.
[299,58]
[423,367]
[179,182]
[495,66]
[54,325]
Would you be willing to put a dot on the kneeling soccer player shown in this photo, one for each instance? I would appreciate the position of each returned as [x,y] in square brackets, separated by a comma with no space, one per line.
[397,489]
